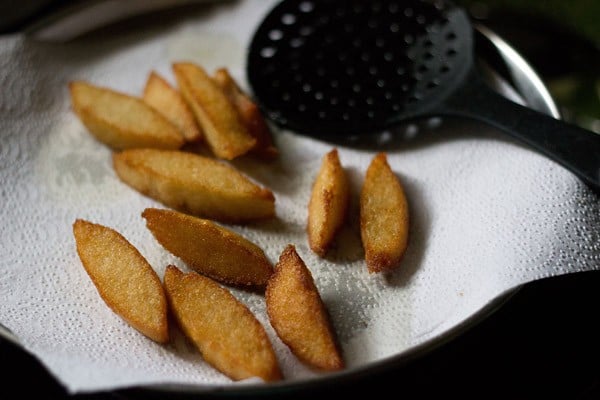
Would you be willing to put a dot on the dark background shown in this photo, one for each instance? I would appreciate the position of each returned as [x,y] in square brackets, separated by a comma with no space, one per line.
[544,342]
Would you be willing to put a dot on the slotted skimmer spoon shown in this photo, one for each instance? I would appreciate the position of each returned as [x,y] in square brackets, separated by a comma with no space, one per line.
[332,68]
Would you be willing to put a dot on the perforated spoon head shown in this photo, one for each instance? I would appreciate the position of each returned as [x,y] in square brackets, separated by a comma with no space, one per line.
[330,68]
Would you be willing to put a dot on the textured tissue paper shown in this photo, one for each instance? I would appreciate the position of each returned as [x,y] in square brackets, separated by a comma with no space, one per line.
[487,215]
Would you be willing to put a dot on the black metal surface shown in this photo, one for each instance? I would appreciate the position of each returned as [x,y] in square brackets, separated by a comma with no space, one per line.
[14,17]
[335,68]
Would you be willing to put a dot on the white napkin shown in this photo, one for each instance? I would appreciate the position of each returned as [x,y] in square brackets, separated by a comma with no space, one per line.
[487,215]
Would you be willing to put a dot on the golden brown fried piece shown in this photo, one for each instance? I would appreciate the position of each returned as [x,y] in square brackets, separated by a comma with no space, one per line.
[328,203]
[249,114]
[208,248]
[226,333]
[225,134]
[168,101]
[123,278]
[298,314]
[384,219]
[122,121]
[194,184]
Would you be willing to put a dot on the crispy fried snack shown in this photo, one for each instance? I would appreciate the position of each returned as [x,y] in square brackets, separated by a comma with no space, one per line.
[225,134]
[169,102]
[298,314]
[194,184]
[384,218]
[123,278]
[249,114]
[122,121]
[328,203]
[226,333]
[208,248]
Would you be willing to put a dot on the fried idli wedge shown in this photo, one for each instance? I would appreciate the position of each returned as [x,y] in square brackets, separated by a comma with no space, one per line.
[249,114]
[298,315]
[223,329]
[194,184]
[384,217]
[328,205]
[123,278]
[165,99]
[224,133]
[121,121]
[208,248]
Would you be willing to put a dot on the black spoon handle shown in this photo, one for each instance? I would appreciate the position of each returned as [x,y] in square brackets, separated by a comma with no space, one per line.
[573,147]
